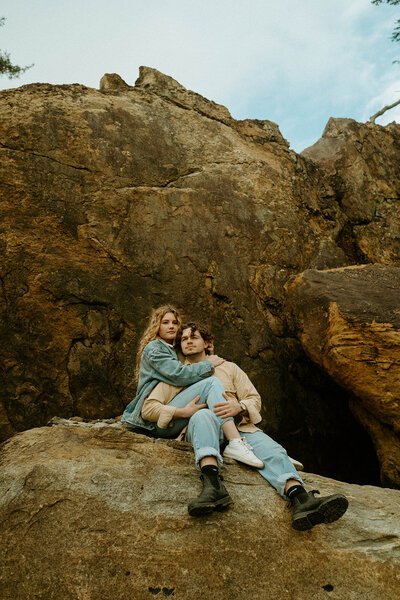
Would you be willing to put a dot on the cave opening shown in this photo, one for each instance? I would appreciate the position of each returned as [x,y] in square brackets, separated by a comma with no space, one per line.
[320,430]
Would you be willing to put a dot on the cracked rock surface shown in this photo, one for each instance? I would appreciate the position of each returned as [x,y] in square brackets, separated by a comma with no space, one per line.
[91,510]
[120,199]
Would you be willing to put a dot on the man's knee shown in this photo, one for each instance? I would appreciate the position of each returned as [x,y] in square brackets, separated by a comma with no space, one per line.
[215,382]
[203,425]
[203,416]
[203,419]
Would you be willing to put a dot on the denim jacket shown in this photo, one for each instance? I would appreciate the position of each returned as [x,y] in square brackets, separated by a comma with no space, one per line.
[159,362]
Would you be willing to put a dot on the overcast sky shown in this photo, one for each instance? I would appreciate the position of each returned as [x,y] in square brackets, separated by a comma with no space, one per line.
[295,62]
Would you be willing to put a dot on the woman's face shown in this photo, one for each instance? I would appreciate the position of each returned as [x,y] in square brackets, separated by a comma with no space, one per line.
[168,327]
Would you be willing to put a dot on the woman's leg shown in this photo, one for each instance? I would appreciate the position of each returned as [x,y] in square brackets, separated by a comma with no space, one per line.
[173,430]
[211,394]
[210,391]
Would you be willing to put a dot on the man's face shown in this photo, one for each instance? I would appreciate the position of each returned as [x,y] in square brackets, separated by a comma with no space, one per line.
[192,343]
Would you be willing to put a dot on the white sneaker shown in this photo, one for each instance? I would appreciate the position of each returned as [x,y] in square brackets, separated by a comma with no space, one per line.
[240,450]
[299,466]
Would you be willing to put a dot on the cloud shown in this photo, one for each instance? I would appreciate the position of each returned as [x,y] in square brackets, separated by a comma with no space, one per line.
[293,62]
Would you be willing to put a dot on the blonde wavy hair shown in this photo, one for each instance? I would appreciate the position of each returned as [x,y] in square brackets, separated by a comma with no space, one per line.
[152,329]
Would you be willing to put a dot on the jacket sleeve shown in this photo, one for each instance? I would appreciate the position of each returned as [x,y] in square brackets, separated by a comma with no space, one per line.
[156,408]
[172,371]
[247,393]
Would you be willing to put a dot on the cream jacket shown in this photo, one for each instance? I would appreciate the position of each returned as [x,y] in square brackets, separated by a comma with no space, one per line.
[236,384]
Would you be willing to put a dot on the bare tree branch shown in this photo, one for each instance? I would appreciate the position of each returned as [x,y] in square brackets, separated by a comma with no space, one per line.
[383,110]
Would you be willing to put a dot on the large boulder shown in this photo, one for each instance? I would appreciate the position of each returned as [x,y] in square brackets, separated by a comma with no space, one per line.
[348,321]
[92,511]
[120,199]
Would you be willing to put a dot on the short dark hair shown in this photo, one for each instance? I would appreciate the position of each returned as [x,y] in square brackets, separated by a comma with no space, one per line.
[193,326]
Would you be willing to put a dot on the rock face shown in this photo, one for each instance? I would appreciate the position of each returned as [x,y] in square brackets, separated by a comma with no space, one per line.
[99,513]
[362,162]
[348,321]
[120,199]
[112,81]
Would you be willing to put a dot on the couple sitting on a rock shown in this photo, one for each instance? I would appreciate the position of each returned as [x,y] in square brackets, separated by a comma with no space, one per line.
[218,405]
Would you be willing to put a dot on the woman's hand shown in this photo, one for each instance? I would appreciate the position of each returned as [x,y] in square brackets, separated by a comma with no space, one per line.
[230,408]
[215,360]
[188,411]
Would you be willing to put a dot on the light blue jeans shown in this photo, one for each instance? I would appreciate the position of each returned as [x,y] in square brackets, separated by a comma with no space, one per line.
[210,391]
[205,433]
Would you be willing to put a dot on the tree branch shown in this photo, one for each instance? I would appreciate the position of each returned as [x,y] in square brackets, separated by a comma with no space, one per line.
[383,110]
[6,66]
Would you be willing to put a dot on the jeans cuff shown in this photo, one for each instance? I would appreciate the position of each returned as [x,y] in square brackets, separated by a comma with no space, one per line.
[282,479]
[207,451]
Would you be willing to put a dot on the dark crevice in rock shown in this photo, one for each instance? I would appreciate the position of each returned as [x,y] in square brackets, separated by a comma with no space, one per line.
[347,243]
[192,171]
[188,173]
[83,301]
[221,298]
[73,394]
[4,293]
[58,162]
[321,430]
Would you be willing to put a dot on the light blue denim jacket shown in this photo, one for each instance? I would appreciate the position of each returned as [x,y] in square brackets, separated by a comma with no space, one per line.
[159,362]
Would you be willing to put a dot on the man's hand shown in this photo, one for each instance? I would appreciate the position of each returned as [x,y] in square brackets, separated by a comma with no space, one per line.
[215,360]
[210,348]
[188,411]
[230,408]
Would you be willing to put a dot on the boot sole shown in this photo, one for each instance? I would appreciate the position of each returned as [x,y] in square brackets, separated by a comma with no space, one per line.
[327,512]
[206,509]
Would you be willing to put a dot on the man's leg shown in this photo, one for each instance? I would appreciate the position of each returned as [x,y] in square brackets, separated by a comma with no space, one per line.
[205,433]
[281,474]
[278,469]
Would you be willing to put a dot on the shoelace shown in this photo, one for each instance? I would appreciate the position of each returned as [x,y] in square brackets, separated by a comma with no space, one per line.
[246,444]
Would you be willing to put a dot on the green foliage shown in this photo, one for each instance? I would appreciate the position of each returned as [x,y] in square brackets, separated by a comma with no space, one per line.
[396,30]
[6,66]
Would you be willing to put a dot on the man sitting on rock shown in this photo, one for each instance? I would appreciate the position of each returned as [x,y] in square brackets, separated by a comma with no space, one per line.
[243,403]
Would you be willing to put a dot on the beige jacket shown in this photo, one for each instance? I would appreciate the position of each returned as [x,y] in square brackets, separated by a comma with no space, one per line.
[236,384]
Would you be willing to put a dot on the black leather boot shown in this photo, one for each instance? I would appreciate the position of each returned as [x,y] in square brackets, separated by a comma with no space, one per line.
[309,511]
[213,497]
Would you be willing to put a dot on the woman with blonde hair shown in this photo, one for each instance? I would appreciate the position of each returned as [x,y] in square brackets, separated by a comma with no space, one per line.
[157,361]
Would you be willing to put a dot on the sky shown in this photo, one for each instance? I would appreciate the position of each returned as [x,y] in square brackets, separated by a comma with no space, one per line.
[294,62]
